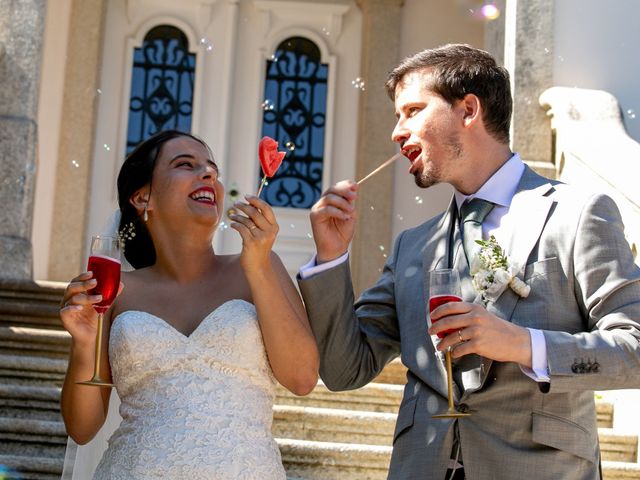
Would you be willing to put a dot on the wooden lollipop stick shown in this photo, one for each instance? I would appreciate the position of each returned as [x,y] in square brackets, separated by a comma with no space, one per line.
[264,179]
[385,164]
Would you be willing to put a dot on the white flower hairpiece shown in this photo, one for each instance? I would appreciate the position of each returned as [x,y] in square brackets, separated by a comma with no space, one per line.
[492,273]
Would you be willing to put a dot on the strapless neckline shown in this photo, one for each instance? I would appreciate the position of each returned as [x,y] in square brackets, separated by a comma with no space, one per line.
[173,329]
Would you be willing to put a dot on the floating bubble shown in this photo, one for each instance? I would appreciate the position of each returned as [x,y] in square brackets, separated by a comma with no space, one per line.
[99,92]
[472,11]
[384,255]
[290,146]
[490,11]
[206,43]
[273,57]
[358,83]
[381,247]
[631,113]
[309,235]
[75,163]
[291,225]
[546,50]
[372,207]
[267,105]
[561,58]
[399,217]
[326,31]
[107,147]
[418,199]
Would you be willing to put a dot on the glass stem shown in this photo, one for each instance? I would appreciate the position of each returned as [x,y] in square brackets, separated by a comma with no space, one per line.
[447,356]
[96,365]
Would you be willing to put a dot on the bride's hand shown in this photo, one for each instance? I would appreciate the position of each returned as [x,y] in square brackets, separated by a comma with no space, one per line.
[258,230]
[76,309]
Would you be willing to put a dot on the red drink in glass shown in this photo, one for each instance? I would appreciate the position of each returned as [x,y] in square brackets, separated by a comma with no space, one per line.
[436,301]
[106,271]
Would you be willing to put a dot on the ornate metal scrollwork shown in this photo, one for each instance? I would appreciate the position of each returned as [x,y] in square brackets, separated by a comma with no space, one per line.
[162,83]
[294,114]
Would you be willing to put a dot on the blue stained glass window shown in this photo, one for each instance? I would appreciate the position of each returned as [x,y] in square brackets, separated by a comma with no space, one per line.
[162,82]
[295,105]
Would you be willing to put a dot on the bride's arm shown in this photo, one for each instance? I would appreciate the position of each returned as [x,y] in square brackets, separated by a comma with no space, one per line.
[84,408]
[291,347]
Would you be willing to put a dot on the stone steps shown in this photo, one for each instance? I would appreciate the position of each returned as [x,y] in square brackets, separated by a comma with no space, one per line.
[47,343]
[31,467]
[324,436]
[374,428]
[29,303]
[333,425]
[375,397]
[311,460]
[620,470]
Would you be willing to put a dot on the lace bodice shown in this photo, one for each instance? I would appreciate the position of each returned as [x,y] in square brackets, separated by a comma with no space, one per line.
[196,407]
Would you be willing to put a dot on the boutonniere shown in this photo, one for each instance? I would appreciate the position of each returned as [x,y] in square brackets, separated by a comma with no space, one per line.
[492,273]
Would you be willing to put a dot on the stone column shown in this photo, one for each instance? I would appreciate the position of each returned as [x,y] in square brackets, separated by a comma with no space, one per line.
[79,112]
[524,33]
[21,36]
[381,21]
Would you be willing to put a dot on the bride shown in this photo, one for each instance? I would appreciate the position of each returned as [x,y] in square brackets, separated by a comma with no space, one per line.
[197,340]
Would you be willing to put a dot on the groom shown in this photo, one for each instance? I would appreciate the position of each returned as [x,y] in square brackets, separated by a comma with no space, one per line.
[525,366]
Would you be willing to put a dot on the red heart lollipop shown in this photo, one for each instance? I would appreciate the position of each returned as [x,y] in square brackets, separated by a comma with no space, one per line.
[270,157]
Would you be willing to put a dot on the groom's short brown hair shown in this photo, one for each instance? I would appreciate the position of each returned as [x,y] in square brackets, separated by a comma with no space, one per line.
[457,70]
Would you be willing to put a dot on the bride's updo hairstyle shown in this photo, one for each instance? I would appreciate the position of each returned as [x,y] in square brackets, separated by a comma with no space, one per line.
[135,173]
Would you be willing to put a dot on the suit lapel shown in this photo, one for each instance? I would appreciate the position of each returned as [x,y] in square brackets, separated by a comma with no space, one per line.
[436,254]
[529,211]
[528,214]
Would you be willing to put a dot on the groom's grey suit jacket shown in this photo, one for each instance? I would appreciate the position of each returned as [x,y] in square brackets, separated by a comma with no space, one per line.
[585,297]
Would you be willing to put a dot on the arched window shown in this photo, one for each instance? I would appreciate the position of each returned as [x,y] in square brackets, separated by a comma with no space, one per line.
[295,105]
[162,82]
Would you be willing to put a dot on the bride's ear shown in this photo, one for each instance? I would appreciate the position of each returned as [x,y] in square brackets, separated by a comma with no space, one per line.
[140,199]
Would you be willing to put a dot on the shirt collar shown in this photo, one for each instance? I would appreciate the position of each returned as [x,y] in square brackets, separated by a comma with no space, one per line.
[501,186]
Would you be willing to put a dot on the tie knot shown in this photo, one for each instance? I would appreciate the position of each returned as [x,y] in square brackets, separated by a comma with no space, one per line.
[475,210]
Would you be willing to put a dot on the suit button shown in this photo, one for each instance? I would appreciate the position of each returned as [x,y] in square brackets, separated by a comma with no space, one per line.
[463,408]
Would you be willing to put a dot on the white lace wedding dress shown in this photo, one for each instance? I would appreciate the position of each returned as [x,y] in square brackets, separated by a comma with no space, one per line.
[196,407]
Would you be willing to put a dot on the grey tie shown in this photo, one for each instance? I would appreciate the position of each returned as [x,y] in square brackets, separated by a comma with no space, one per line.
[473,214]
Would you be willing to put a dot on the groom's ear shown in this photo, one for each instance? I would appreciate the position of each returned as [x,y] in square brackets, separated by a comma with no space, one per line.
[472,109]
[140,199]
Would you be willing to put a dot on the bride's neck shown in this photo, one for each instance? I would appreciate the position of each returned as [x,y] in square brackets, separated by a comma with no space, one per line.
[184,256]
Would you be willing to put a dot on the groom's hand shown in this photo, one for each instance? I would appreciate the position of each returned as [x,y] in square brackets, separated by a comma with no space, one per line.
[333,220]
[475,330]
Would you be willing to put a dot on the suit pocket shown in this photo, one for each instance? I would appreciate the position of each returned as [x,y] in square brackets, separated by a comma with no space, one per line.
[541,267]
[565,435]
[405,416]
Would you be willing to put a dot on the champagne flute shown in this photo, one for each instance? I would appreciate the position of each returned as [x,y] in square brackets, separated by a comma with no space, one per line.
[104,262]
[444,287]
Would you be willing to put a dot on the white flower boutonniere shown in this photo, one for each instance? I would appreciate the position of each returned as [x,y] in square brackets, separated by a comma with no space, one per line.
[492,273]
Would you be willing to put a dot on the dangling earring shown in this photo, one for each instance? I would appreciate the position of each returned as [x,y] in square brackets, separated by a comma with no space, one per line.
[145,215]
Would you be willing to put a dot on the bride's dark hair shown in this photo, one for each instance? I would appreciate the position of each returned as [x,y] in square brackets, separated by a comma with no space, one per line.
[135,173]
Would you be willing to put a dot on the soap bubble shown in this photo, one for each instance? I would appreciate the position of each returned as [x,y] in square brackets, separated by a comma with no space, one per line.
[358,83]
[206,43]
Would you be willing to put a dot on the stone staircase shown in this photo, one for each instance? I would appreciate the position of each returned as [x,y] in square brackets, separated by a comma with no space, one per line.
[323,436]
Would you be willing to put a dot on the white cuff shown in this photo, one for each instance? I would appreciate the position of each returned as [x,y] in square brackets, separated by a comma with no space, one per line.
[539,370]
[310,269]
